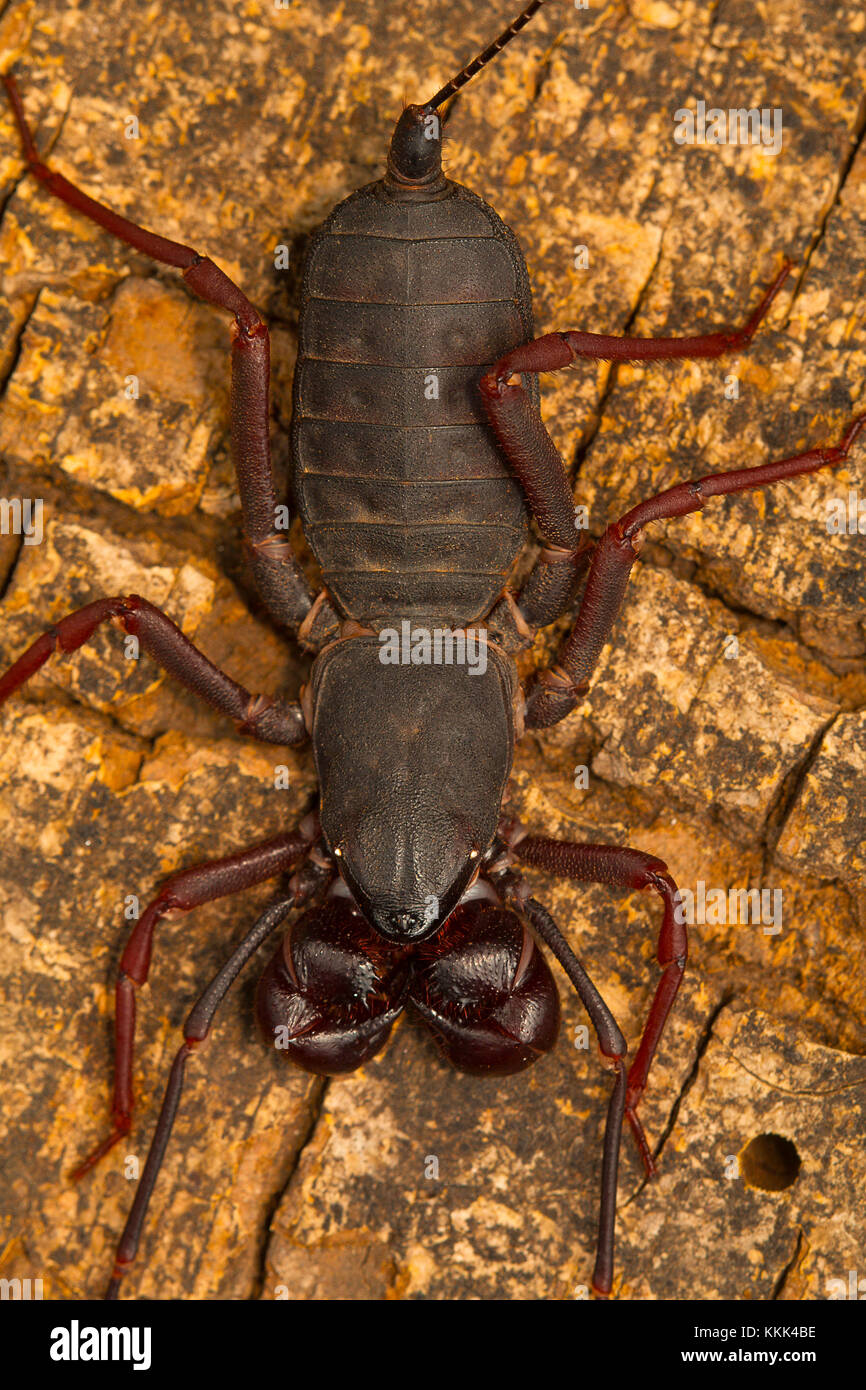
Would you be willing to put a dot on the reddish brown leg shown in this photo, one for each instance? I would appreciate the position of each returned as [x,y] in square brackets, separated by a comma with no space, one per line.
[518,425]
[534,457]
[556,350]
[272,721]
[280,580]
[553,583]
[623,868]
[181,893]
[195,1031]
[557,691]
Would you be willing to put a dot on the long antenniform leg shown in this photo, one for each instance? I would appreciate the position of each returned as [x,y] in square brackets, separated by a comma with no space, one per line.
[183,891]
[195,1031]
[277,573]
[619,868]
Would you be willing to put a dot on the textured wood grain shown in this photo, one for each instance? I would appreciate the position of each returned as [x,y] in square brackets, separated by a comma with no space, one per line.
[740,763]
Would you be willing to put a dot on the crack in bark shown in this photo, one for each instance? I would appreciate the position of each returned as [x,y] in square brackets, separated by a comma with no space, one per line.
[314,1098]
[689,1081]
[856,137]
[318,1093]
[544,67]
[786,1269]
[788,1091]
[60,700]
[13,189]
[585,445]
[789,790]
[782,802]
[589,437]
[16,344]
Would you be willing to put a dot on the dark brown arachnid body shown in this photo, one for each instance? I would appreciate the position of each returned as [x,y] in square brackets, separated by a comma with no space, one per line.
[405,883]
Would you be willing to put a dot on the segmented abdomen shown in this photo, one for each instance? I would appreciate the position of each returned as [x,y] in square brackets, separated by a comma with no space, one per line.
[405,498]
